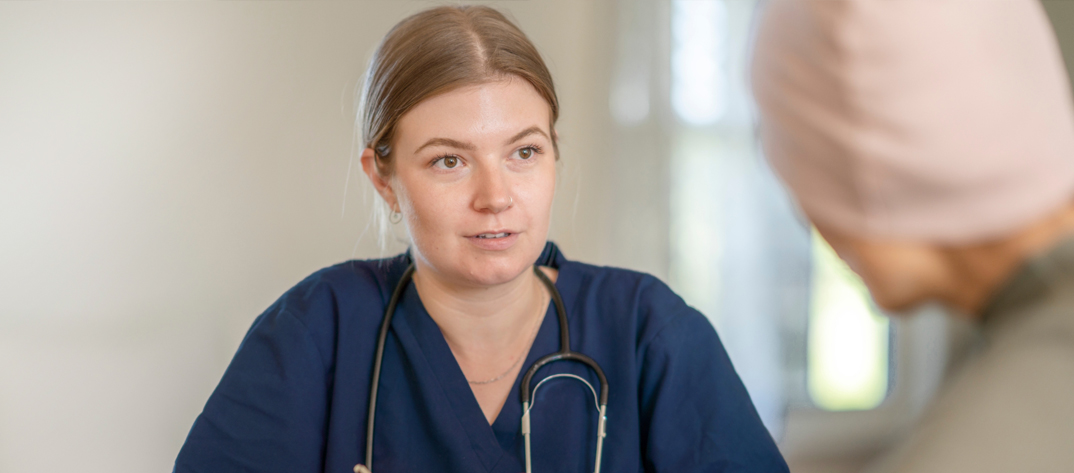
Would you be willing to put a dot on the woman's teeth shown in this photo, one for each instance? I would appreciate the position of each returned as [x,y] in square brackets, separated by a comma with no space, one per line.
[493,235]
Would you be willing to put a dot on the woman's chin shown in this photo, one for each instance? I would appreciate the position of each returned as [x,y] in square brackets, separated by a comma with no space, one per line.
[495,274]
[493,270]
[470,265]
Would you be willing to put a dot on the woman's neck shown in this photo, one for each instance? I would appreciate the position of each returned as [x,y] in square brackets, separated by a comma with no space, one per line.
[489,329]
[483,321]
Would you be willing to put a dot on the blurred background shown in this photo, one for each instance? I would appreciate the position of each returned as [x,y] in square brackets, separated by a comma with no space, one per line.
[167,169]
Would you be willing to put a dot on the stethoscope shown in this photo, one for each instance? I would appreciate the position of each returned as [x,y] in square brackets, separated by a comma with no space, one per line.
[564,354]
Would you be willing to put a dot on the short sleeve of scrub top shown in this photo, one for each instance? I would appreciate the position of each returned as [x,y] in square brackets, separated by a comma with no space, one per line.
[294,397]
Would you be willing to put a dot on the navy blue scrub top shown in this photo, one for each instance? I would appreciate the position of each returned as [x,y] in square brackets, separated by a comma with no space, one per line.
[294,398]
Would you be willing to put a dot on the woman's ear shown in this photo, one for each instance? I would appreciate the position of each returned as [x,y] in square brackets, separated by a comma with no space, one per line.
[383,186]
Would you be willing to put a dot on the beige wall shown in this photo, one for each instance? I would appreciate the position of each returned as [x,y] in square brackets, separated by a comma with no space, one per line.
[168,169]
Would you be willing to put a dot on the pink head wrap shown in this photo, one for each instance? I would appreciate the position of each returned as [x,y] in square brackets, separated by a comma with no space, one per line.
[946,121]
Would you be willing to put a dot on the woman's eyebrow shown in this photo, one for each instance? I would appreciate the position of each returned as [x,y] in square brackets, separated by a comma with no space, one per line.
[527,132]
[446,142]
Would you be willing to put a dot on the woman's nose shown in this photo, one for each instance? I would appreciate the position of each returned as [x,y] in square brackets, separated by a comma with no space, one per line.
[492,193]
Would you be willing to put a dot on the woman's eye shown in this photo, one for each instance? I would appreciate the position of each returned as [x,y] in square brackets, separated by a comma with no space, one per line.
[448,162]
[525,153]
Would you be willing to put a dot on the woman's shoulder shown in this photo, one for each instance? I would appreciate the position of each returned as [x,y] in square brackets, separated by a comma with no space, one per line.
[353,287]
[613,280]
[368,277]
[653,304]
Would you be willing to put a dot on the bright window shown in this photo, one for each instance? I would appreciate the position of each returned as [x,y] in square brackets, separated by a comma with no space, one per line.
[848,340]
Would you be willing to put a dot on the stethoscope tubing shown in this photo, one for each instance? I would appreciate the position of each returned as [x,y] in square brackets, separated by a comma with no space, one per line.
[564,354]
[378,359]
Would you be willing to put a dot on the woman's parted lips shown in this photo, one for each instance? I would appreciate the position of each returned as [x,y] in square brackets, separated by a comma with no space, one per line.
[499,233]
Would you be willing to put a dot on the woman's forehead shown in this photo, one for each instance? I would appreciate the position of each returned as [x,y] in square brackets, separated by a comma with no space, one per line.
[484,114]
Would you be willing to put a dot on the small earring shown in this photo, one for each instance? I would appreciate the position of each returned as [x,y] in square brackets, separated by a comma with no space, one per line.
[395,216]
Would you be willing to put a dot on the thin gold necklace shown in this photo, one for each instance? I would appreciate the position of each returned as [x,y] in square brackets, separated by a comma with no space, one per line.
[518,359]
[493,380]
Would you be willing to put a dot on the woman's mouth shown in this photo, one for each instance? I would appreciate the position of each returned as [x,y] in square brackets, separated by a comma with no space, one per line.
[494,240]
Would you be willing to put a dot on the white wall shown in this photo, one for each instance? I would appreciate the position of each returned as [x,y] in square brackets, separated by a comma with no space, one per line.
[168,169]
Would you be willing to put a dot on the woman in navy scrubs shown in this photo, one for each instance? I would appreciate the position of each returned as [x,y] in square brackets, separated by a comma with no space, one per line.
[458,118]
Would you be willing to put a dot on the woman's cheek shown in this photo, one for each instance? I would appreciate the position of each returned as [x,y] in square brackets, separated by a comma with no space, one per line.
[429,215]
[413,203]
[545,194]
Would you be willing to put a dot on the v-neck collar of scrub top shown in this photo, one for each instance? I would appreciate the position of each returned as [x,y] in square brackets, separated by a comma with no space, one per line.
[419,334]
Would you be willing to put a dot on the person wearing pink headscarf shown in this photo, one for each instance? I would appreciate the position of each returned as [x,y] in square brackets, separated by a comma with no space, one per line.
[931,142]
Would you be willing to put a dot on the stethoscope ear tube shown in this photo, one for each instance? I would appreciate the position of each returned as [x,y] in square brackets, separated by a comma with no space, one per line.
[602,431]
[564,354]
